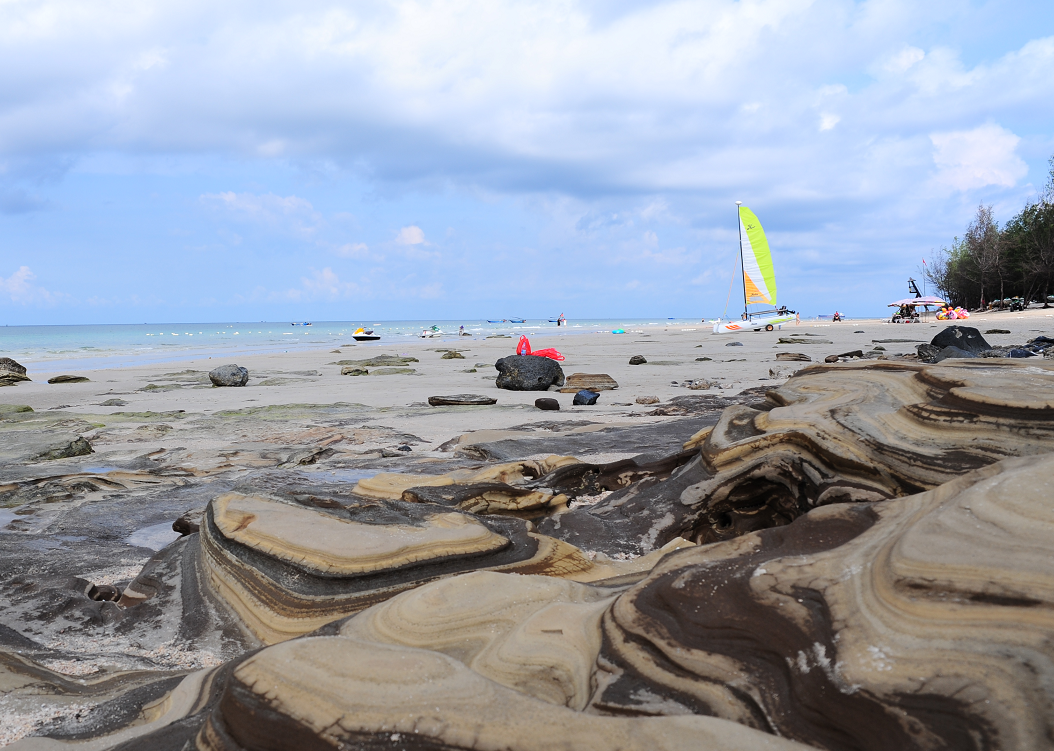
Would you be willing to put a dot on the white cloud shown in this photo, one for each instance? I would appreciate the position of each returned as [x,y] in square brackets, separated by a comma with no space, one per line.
[986,155]
[904,59]
[323,285]
[352,250]
[828,121]
[292,213]
[412,235]
[18,288]
[260,206]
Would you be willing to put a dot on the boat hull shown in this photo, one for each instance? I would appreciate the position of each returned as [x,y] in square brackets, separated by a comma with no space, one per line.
[365,337]
[754,324]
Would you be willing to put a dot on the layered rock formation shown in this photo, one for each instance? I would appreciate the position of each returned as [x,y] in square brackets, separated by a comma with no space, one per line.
[847,432]
[872,571]
[916,623]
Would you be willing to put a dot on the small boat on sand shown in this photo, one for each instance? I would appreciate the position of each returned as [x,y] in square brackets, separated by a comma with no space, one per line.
[362,335]
[759,280]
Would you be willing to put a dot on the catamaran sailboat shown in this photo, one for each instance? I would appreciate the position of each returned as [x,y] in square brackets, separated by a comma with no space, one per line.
[759,280]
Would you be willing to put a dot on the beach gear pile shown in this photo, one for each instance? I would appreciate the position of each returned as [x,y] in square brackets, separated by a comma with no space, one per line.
[523,347]
[951,314]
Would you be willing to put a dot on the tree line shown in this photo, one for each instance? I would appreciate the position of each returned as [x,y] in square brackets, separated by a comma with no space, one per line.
[989,263]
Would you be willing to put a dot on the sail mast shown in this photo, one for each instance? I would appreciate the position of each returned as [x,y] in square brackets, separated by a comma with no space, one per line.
[742,263]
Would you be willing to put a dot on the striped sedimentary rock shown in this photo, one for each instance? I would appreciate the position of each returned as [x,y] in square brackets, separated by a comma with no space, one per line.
[285,569]
[917,623]
[865,432]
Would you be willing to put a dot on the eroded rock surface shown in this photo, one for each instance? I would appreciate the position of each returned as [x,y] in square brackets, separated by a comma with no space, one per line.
[873,572]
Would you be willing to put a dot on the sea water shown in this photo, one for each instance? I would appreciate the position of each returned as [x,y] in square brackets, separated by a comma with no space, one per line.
[57,349]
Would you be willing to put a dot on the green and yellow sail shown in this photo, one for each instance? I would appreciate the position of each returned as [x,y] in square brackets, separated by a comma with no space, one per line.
[759,278]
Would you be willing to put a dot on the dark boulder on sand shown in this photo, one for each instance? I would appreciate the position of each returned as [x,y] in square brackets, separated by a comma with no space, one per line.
[229,375]
[547,403]
[528,373]
[966,338]
[585,398]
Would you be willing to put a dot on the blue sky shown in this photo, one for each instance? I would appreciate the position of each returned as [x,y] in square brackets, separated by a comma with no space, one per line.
[179,161]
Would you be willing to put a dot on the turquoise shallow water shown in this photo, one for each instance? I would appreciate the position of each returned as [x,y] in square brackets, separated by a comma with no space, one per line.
[55,349]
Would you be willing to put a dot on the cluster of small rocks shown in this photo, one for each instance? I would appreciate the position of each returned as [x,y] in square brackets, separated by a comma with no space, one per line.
[967,342]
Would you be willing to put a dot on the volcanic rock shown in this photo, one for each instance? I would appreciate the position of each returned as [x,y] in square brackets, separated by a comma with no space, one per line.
[637,360]
[350,370]
[528,373]
[735,344]
[585,398]
[459,400]
[997,331]
[229,375]
[963,337]
[547,403]
[647,400]
[452,355]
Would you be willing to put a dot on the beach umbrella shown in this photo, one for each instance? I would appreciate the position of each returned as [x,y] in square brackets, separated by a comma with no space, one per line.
[918,301]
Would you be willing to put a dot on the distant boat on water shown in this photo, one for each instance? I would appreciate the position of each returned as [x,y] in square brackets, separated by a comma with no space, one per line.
[300,324]
[508,320]
[364,335]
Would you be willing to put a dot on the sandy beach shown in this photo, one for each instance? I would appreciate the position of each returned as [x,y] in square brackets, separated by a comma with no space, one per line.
[674,355]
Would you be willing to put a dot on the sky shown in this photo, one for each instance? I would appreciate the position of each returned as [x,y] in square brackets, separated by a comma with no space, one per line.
[190,161]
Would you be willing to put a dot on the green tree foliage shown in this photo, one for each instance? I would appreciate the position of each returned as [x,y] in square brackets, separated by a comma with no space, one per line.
[990,263]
